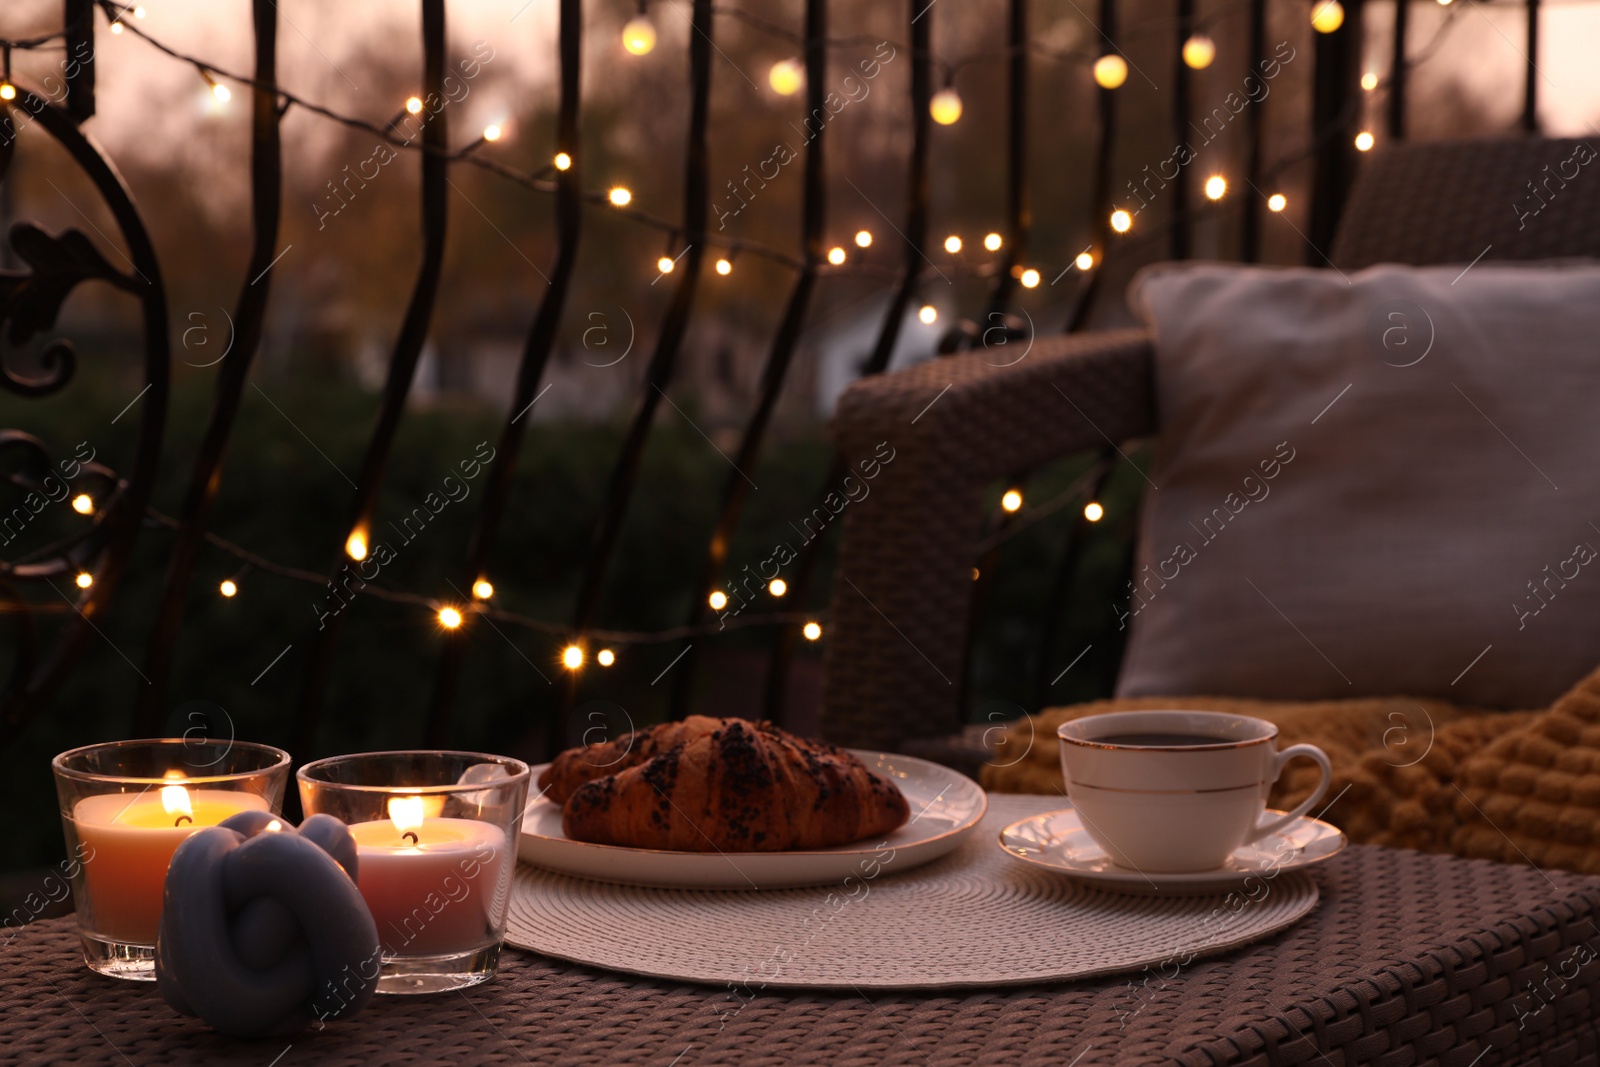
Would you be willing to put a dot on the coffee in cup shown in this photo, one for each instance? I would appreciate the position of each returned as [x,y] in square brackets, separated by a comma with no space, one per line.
[1177,791]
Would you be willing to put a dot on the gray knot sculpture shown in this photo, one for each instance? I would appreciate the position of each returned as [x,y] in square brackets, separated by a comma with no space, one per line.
[263,930]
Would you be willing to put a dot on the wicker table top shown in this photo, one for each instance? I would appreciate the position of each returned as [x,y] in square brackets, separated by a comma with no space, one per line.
[1411,959]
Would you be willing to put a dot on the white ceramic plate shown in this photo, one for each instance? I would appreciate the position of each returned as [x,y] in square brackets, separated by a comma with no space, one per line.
[1058,842]
[945,808]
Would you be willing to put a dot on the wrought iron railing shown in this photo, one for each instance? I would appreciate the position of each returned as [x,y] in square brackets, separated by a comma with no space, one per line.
[38,589]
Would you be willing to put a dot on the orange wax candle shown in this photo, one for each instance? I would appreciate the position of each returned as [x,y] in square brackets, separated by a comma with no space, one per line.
[130,838]
[434,885]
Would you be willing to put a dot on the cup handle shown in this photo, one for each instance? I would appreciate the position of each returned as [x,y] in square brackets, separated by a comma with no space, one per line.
[1310,752]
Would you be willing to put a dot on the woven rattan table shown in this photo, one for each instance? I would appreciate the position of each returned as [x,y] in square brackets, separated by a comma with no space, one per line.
[1411,959]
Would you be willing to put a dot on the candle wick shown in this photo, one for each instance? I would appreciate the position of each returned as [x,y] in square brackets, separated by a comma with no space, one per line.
[410,836]
[180,820]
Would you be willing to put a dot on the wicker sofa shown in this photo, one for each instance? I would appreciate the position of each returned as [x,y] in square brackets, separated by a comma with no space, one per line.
[901,604]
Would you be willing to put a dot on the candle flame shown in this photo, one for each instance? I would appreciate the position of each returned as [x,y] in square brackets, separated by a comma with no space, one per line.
[406,813]
[175,798]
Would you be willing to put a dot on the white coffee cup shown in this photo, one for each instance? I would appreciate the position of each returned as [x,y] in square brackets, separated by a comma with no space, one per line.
[1170,807]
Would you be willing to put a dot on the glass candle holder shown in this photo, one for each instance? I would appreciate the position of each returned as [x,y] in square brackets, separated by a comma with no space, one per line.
[436,843]
[126,806]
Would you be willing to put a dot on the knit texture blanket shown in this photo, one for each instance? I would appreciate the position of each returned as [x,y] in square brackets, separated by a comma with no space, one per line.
[1518,786]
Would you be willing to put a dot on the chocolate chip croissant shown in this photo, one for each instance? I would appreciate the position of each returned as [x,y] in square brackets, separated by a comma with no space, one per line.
[741,787]
[575,766]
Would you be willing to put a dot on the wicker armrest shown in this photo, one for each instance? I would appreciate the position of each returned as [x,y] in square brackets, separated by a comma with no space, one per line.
[898,640]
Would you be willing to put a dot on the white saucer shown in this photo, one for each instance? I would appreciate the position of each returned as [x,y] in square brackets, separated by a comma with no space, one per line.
[945,808]
[1058,842]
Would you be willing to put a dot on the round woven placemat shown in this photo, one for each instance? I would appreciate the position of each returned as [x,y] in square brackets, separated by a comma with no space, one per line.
[973,918]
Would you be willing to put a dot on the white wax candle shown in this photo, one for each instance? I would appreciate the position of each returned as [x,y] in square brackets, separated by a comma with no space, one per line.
[130,839]
[435,886]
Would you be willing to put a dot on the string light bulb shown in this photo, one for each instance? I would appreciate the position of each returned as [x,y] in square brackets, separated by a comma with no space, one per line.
[483,589]
[8,92]
[639,36]
[563,161]
[355,546]
[863,239]
[1085,260]
[1093,511]
[993,242]
[116,29]
[1369,81]
[1277,202]
[928,315]
[1216,187]
[138,12]
[1365,141]
[1121,221]
[83,504]
[572,657]
[724,268]
[718,600]
[665,264]
[605,657]
[952,244]
[492,132]
[414,105]
[812,631]
[84,579]
[1110,71]
[945,107]
[450,618]
[1030,278]
[1327,16]
[1012,500]
[777,587]
[228,588]
[786,77]
[619,196]
[1199,51]
[836,255]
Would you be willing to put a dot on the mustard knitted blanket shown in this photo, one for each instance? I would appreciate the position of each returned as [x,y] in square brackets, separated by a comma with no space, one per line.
[1520,787]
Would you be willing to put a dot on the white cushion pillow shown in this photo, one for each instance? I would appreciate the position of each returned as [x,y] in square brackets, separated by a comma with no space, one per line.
[1380,483]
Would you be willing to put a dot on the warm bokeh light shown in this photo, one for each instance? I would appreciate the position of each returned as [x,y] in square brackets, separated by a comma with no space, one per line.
[620,197]
[355,546]
[945,107]
[928,315]
[787,77]
[563,161]
[138,12]
[1093,511]
[7,91]
[1277,202]
[1084,261]
[1121,221]
[483,589]
[812,631]
[777,587]
[1030,278]
[572,657]
[1216,187]
[1327,16]
[863,239]
[1369,81]
[1199,51]
[414,105]
[83,504]
[993,241]
[718,600]
[665,264]
[84,579]
[1012,499]
[836,255]
[605,657]
[221,92]
[1365,141]
[492,132]
[116,28]
[1110,71]
[952,244]
[228,588]
[724,267]
[449,618]
[639,36]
